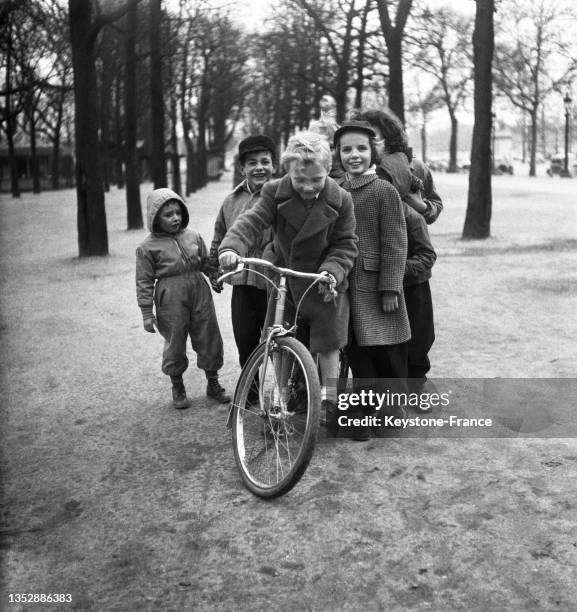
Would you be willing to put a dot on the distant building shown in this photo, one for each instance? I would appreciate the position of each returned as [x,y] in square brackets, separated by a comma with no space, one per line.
[503,144]
[23,156]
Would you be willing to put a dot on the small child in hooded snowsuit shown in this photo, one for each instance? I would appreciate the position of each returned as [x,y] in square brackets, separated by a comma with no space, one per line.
[169,266]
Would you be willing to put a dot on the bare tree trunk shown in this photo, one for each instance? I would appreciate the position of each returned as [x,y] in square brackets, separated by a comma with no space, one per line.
[395,84]
[175,158]
[524,138]
[55,183]
[158,154]
[104,109]
[34,155]
[202,119]
[342,78]
[424,138]
[533,150]
[393,38]
[453,143]
[92,231]
[118,137]
[10,121]
[133,205]
[479,203]
[360,82]
[189,185]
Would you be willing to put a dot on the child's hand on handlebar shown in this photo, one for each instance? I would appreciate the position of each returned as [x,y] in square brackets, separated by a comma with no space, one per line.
[228,260]
[328,288]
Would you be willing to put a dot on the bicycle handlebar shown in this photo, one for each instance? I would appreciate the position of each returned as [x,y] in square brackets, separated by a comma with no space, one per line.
[255,261]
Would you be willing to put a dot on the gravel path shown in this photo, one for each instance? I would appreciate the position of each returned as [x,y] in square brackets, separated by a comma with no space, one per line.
[110,495]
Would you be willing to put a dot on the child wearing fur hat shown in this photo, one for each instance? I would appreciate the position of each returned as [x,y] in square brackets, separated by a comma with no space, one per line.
[248,304]
[169,266]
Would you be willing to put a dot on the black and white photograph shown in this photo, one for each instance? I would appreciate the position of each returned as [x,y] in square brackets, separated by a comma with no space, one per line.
[288,296]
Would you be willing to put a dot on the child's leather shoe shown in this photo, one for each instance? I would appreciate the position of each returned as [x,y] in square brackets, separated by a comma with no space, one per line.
[179,399]
[215,391]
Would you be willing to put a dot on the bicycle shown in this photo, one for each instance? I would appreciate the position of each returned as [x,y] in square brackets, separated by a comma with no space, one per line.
[275,412]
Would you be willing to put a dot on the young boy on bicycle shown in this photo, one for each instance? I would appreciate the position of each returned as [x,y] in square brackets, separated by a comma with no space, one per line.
[313,226]
[169,262]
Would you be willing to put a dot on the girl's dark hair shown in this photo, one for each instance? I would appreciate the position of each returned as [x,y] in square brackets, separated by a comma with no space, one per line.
[375,157]
[391,127]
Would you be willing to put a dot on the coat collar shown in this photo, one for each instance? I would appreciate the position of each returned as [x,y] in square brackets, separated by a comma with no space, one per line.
[356,182]
[324,211]
[243,187]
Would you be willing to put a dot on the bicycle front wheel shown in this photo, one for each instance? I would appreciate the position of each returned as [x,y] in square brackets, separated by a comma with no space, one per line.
[275,418]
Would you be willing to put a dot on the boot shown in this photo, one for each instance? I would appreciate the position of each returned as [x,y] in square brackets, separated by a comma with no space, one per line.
[329,414]
[179,399]
[214,390]
[361,433]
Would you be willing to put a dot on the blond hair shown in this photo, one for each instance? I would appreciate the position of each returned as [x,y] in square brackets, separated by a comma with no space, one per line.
[307,147]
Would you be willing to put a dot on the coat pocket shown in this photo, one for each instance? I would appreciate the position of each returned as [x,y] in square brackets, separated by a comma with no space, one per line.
[368,273]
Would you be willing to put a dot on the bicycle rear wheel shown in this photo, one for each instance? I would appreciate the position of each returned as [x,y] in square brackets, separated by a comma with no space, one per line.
[275,417]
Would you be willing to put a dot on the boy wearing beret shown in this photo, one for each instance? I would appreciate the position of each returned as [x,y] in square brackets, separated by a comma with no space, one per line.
[256,156]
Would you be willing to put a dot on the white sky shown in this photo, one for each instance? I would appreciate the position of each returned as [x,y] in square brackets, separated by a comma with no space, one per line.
[251,12]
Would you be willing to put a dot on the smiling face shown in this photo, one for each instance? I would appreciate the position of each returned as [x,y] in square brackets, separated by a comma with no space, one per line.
[355,152]
[257,167]
[169,217]
[307,178]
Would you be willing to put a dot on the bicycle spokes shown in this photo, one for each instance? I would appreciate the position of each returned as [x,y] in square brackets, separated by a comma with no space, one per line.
[274,430]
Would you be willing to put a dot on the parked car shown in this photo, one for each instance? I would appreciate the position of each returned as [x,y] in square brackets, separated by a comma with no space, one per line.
[557,165]
[438,165]
[503,166]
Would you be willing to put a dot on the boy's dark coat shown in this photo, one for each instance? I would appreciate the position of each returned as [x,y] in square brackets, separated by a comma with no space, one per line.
[322,239]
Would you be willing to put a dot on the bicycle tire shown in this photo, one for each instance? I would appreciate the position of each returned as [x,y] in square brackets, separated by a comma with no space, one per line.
[274,442]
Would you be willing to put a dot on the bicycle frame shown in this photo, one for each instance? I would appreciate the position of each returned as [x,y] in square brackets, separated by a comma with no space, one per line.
[281,288]
[277,328]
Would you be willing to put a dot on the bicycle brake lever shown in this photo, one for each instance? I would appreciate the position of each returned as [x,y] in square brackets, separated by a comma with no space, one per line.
[332,293]
[239,268]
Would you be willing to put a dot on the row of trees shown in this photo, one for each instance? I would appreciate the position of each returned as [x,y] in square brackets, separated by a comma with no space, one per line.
[131,77]
[138,77]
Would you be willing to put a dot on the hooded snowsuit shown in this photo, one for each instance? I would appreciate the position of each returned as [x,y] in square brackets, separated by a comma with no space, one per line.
[168,275]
